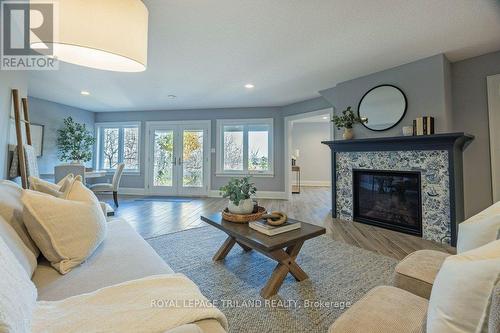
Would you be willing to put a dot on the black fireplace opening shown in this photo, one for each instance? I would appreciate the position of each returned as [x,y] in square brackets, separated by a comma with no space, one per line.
[388,199]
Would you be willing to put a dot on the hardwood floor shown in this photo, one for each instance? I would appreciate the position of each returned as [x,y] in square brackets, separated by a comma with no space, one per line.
[154,218]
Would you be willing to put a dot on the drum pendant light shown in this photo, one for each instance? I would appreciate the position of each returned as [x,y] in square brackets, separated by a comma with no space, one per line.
[103,34]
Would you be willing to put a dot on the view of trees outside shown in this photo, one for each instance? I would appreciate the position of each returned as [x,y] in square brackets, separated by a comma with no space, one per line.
[258,149]
[233,149]
[131,148]
[258,146]
[163,158]
[110,148]
[192,158]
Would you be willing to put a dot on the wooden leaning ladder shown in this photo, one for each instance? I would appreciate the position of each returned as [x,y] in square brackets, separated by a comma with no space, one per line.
[19,133]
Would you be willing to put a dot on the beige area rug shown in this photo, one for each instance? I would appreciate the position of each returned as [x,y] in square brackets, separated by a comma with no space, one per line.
[339,275]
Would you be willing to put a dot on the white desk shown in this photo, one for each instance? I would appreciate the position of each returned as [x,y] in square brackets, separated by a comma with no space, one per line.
[95,174]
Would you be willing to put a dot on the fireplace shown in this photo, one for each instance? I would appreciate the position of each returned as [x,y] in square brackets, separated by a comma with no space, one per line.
[388,199]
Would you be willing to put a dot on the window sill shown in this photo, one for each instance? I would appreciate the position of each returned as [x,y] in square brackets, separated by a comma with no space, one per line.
[242,174]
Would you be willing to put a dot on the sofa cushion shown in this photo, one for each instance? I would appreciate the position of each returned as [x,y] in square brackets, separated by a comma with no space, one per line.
[478,231]
[384,310]
[11,209]
[461,295]
[23,255]
[17,294]
[65,231]
[123,255]
[416,272]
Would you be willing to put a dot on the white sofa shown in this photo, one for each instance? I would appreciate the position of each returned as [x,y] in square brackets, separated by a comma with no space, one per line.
[123,256]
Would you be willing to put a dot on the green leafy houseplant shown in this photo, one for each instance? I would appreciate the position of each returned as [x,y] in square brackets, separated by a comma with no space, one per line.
[74,142]
[347,119]
[238,189]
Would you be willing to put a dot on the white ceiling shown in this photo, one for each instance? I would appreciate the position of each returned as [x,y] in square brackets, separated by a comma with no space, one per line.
[204,52]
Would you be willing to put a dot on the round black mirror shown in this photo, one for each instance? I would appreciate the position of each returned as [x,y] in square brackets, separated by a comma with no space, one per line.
[384,106]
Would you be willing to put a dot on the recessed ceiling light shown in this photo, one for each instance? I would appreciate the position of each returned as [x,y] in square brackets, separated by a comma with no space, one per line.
[325,118]
[84,93]
[172,97]
[249,86]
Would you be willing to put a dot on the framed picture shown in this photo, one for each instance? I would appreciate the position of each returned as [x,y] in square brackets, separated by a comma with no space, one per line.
[37,138]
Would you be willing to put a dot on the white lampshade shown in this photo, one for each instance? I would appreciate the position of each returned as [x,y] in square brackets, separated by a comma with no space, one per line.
[297,153]
[102,34]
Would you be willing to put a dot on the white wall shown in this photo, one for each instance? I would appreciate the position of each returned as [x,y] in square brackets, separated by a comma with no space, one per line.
[314,159]
[8,80]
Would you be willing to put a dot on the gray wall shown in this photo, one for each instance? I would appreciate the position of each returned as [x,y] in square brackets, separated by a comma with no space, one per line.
[275,183]
[310,105]
[314,157]
[9,80]
[423,82]
[470,114]
[51,115]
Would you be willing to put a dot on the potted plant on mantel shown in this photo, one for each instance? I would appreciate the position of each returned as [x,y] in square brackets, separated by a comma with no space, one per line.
[346,121]
[239,192]
[74,142]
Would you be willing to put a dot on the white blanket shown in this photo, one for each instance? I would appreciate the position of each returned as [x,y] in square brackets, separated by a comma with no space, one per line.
[152,304]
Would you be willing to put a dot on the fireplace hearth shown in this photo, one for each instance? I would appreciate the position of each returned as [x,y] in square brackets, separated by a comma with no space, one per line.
[388,199]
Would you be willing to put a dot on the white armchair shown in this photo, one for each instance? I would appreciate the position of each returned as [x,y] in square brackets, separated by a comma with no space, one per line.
[110,187]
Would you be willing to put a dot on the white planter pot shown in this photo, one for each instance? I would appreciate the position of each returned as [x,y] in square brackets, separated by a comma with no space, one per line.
[244,207]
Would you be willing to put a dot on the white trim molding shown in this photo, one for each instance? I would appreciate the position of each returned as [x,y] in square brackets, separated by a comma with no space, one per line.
[260,195]
[131,191]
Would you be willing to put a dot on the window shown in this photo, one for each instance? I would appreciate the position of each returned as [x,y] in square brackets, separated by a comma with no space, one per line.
[245,147]
[118,143]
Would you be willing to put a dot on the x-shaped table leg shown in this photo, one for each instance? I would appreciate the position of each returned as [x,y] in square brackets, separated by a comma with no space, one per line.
[286,264]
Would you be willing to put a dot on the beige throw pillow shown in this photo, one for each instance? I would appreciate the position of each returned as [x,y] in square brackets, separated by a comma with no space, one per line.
[480,229]
[66,231]
[11,209]
[57,190]
[461,293]
[17,294]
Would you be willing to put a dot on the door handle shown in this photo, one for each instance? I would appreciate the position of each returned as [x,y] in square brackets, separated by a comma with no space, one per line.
[175,161]
[180,161]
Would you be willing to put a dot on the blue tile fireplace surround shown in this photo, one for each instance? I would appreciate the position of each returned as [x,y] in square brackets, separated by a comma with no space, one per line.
[436,158]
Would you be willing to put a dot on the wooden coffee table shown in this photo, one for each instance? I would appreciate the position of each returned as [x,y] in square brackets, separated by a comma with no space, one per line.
[283,248]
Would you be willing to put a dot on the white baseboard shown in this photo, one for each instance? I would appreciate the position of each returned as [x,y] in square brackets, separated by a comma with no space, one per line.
[260,195]
[319,183]
[132,191]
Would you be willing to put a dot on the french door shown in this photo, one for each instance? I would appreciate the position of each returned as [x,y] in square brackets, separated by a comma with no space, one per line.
[178,158]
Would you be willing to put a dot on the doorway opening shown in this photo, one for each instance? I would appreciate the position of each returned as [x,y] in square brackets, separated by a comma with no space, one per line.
[307,160]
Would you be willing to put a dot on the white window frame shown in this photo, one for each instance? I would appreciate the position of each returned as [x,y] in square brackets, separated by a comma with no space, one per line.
[99,143]
[245,123]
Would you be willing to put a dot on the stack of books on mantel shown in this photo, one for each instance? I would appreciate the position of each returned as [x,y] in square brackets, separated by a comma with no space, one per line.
[271,230]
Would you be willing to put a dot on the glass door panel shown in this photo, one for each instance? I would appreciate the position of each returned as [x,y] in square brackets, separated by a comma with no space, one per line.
[192,158]
[163,161]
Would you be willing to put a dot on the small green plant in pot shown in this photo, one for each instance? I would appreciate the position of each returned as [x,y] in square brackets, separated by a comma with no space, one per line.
[239,192]
[346,121]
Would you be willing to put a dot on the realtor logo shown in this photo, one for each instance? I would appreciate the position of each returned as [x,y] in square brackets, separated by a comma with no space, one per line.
[25,25]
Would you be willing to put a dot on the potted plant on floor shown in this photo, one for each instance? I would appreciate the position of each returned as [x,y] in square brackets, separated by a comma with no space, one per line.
[346,121]
[239,192]
[74,142]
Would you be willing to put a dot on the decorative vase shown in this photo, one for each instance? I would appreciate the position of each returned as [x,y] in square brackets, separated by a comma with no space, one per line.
[348,134]
[244,207]
[76,162]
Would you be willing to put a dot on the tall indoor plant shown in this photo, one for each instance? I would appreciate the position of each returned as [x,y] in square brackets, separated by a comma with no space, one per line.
[74,142]
[239,192]
[346,121]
